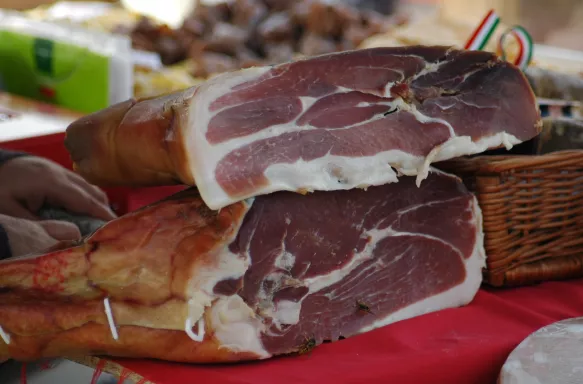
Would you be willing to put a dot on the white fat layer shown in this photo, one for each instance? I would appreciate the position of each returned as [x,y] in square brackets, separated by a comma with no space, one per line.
[285,260]
[236,326]
[4,336]
[326,173]
[203,164]
[429,68]
[463,145]
[215,267]
[288,312]
[109,315]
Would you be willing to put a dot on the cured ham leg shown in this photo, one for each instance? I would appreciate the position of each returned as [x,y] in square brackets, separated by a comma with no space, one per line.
[273,275]
[334,122]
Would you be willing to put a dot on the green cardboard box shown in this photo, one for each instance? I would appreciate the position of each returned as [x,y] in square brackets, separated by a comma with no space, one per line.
[65,65]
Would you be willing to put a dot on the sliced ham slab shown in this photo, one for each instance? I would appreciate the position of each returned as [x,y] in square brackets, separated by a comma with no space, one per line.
[276,274]
[334,122]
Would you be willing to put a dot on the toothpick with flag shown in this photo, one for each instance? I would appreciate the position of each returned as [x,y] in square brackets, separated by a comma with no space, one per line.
[483,33]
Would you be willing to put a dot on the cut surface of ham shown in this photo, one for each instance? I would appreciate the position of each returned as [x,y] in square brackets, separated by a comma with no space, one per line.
[553,354]
[335,122]
[276,274]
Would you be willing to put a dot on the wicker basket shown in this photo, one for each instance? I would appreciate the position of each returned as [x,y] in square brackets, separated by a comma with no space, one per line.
[533,214]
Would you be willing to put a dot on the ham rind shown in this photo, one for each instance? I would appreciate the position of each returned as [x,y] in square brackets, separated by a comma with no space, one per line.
[334,122]
[277,274]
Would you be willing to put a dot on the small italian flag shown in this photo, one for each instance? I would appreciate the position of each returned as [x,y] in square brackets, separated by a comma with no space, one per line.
[525,45]
[484,32]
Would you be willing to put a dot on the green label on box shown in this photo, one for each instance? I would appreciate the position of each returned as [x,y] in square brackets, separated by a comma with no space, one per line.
[43,54]
[60,73]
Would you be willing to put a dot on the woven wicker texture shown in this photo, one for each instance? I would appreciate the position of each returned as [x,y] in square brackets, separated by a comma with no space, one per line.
[533,214]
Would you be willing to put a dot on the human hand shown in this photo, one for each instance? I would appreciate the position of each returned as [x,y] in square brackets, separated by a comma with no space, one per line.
[28,182]
[26,236]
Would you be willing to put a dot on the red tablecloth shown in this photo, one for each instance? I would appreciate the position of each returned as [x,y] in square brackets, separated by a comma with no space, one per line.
[455,346]
[462,345]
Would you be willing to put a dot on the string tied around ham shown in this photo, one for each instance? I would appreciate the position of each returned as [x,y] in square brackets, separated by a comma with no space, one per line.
[98,371]
[195,336]
[5,336]
[109,315]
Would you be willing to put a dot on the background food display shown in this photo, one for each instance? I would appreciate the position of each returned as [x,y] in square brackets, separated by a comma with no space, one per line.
[244,33]
[231,35]
[228,35]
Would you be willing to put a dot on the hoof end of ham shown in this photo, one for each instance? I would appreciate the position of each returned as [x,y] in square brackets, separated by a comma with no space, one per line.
[136,142]
[277,274]
[325,123]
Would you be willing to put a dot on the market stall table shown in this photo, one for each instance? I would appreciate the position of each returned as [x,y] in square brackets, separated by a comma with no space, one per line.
[463,345]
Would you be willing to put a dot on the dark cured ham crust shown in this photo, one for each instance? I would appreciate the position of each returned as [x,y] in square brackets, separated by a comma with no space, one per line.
[52,305]
[138,142]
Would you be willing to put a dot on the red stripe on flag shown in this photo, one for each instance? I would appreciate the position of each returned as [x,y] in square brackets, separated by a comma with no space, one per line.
[521,50]
[477,31]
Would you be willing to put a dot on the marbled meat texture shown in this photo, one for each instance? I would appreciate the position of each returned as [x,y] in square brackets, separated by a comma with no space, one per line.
[334,122]
[342,121]
[276,274]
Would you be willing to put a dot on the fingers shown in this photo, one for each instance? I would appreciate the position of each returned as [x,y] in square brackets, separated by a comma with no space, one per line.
[96,192]
[76,199]
[13,208]
[60,230]
[85,198]
[39,181]
[25,236]
[70,196]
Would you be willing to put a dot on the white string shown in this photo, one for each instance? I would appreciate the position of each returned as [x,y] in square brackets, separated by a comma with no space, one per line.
[188,328]
[109,315]
[4,336]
